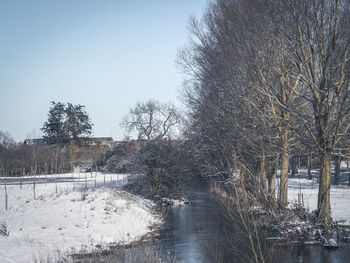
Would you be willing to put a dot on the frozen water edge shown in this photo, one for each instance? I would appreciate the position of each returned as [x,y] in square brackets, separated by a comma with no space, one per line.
[71,212]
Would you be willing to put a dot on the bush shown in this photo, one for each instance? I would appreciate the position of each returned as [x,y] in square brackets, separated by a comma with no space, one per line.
[162,166]
[4,229]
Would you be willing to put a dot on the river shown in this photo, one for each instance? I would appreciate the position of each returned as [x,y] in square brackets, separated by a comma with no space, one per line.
[194,233]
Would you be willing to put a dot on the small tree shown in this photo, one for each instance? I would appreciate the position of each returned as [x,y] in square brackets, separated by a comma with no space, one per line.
[6,141]
[7,151]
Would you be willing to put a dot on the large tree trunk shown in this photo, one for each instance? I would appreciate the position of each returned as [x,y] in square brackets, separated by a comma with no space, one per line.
[283,196]
[272,180]
[337,160]
[323,205]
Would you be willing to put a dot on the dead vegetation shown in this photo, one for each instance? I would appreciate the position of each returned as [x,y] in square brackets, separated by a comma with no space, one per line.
[4,231]
[136,252]
[261,223]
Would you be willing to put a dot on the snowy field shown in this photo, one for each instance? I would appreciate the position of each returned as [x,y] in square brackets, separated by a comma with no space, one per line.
[339,195]
[71,213]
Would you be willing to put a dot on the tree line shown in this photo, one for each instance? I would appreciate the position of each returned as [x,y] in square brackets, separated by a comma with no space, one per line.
[268,81]
[66,134]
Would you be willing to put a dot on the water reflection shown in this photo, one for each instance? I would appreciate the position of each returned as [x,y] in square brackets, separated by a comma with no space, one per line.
[194,233]
[318,254]
[189,228]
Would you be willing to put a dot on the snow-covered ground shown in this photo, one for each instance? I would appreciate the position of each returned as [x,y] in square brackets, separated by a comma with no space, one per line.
[339,195]
[71,212]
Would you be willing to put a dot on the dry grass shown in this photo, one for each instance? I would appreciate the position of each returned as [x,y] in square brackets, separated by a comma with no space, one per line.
[246,238]
[137,252]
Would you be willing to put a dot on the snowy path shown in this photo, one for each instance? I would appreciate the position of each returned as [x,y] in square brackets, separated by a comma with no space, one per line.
[66,218]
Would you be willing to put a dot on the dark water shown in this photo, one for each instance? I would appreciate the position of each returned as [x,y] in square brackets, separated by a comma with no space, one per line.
[318,254]
[189,230]
[194,233]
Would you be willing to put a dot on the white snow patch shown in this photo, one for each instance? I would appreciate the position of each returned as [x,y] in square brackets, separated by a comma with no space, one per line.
[339,195]
[65,217]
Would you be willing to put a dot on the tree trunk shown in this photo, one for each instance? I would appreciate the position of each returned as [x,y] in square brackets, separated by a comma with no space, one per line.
[337,160]
[283,191]
[263,170]
[294,164]
[242,175]
[235,161]
[309,166]
[347,169]
[34,181]
[323,204]
[272,180]
[284,179]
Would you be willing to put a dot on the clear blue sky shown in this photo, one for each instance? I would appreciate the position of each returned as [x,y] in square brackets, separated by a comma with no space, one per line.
[104,54]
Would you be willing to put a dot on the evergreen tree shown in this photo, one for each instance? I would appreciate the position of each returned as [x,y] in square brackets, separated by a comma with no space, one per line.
[78,123]
[54,128]
[66,122]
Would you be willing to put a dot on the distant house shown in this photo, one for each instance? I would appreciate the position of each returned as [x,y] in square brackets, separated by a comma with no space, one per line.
[36,142]
[100,141]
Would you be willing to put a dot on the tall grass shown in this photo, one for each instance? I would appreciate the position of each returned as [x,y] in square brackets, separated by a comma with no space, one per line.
[245,237]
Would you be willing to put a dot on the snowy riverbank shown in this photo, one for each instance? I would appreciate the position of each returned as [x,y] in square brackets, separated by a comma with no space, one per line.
[339,195]
[71,213]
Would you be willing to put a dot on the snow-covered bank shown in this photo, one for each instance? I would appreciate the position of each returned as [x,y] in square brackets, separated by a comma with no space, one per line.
[71,212]
[339,195]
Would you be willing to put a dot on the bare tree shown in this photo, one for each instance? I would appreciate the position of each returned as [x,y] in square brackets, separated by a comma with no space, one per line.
[231,119]
[5,187]
[7,152]
[153,120]
[6,141]
[269,79]
[318,32]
